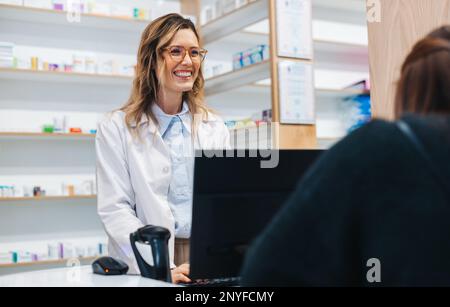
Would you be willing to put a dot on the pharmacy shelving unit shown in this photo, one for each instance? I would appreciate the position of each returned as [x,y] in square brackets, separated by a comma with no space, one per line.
[49,218]
[235,79]
[46,198]
[264,87]
[46,136]
[63,77]
[335,51]
[54,17]
[289,136]
[251,76]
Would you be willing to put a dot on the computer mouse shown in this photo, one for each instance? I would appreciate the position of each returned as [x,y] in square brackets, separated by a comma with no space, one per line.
[109,266]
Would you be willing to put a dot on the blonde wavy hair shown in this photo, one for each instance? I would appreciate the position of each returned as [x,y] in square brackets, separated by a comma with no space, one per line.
[148,78]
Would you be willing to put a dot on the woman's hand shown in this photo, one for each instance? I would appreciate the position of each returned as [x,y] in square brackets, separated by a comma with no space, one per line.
[180,274]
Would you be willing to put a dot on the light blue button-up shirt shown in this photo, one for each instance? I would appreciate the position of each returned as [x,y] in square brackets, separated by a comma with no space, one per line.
[176,133]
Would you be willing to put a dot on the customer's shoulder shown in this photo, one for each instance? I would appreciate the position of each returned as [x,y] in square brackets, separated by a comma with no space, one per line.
[433,131]
[431,124]
[379,127]
[427,127]
[376,141]
[375,133]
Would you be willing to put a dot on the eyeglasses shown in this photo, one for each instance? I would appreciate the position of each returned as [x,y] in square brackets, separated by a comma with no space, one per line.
[178,53]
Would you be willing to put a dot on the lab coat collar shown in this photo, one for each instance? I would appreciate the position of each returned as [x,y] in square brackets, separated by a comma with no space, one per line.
[164,119]
[144,120]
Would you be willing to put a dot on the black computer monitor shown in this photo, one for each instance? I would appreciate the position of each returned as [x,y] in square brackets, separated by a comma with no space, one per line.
[234,200]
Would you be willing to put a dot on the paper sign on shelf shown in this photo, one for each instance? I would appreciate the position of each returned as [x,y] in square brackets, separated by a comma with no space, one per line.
[294,28]
[296,85]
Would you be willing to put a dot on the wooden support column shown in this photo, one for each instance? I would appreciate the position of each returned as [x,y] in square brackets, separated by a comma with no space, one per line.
[287,136]
[191,7]
[403,23]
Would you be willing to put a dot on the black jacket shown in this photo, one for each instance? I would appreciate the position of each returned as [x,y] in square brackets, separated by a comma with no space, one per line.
[370,196]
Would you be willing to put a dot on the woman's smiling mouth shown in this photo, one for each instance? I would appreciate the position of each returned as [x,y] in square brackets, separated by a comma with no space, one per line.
[183,74]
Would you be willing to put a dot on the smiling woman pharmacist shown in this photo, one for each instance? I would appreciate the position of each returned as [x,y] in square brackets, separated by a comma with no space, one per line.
[145,150]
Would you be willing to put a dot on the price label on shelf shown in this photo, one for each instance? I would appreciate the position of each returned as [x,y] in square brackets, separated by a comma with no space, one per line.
[296,84]
[294,28]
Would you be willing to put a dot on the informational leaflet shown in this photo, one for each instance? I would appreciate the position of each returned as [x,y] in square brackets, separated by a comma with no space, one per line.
[296,83]
[294,28]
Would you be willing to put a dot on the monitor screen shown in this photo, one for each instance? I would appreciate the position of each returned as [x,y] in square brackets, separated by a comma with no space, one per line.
[235,198]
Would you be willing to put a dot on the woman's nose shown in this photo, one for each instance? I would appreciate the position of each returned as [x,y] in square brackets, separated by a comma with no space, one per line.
[187,59]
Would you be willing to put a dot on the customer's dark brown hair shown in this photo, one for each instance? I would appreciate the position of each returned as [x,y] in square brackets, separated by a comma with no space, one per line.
[424,85]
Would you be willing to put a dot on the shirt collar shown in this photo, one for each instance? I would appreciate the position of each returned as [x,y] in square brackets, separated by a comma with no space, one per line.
[164,119]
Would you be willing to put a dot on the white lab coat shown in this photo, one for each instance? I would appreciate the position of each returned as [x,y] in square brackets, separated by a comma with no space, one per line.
[133,179]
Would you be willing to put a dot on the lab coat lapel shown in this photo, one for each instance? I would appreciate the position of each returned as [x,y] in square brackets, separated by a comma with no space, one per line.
[150,135]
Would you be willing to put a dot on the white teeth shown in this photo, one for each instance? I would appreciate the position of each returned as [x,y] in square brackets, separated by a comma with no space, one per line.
[183,74]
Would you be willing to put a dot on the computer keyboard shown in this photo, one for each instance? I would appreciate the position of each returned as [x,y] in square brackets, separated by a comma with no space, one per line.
[219,282]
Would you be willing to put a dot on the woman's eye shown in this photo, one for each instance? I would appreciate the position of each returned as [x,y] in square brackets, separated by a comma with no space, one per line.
[195,53]
[175,51]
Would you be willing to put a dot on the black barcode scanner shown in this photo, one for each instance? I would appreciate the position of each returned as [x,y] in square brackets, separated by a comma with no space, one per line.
[158,239]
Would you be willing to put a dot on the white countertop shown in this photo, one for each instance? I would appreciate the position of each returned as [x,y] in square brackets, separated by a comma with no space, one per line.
[76,277]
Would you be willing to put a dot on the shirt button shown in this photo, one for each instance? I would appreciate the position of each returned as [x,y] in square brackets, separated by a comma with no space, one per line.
[165,170]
